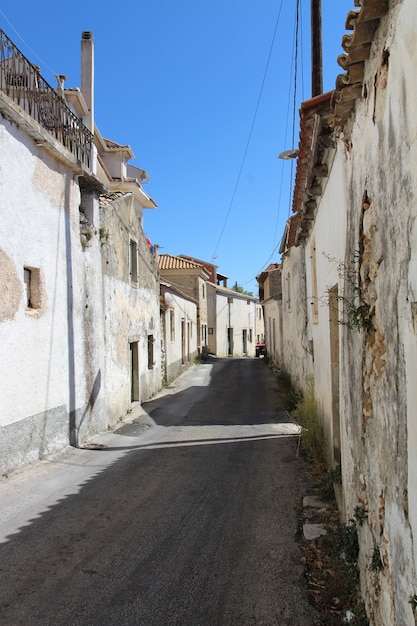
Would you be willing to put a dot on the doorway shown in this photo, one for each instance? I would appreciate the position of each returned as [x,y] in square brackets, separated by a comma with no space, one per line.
[134,372]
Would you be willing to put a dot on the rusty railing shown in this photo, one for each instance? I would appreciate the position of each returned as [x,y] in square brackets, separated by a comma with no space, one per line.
[22,82]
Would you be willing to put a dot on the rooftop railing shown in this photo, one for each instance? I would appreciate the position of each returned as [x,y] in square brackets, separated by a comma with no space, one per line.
[22,82]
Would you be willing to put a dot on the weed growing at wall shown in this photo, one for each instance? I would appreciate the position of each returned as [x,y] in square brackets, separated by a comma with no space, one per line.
[332,572]
[352,310]
[291,392]
[307,414]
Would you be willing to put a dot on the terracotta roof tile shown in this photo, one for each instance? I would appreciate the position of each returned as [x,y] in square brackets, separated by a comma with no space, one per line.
[272,267]
[357,46]
[169,262]
[111,196]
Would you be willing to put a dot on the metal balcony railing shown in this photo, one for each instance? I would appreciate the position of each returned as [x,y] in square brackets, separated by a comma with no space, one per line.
[22,82]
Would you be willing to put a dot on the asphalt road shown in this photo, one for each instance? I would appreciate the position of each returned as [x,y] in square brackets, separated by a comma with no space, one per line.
[192,523]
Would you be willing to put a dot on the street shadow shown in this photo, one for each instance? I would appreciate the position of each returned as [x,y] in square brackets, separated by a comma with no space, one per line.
[220,402]
[83,541]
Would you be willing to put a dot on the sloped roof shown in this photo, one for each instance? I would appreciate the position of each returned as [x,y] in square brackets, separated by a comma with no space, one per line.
[170,262]
[290,231]
[316,138]
[272,267]
[108,198]
[357,46]
[113,145]
[236,294]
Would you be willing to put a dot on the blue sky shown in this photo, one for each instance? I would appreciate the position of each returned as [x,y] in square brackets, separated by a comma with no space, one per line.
[203,92]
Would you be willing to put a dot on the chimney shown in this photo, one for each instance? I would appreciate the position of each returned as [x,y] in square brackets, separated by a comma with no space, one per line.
[87,76]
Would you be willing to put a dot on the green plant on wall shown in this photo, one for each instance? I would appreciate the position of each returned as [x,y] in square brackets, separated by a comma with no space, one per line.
[376,564]
[360,515]
[86,236]
[356,312]
[307,413]
[104,234]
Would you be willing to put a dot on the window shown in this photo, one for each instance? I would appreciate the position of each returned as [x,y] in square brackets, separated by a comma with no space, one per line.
[31,278]
[172,324]
[203,290]
[150,352]
[133,261]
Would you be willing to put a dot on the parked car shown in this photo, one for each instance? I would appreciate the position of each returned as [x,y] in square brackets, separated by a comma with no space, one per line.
[260,349]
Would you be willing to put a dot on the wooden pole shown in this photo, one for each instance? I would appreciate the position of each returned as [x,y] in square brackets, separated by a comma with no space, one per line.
[316,49]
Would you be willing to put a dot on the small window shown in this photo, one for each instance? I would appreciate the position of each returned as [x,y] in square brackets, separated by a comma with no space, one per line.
[150,352]
[203,290]
[133,261]
[31,278]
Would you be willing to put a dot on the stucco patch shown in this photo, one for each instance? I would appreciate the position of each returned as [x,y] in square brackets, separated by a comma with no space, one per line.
[50,182]
[11,288]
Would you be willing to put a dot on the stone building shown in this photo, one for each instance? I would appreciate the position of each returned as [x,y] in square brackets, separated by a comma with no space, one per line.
[190,277]
[270,295]
[354,254]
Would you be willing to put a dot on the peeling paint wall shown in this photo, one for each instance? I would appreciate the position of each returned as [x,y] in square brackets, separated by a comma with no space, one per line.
[51,375]
[325,251]
[131,308]
[381,427]
[271,291]
[297,354]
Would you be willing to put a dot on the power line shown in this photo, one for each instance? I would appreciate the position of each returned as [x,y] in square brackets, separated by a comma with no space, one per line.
[250,133]
[294,65]
[26,44]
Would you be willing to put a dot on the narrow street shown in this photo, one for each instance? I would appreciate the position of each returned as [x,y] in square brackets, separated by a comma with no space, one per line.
[192,522]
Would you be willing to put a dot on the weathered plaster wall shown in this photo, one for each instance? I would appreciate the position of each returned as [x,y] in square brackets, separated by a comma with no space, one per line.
[180,342]
[194,286]
[273,334]
[325,250]
[48,369]
[131,310]
[296,355]
[260,324]
[380,467]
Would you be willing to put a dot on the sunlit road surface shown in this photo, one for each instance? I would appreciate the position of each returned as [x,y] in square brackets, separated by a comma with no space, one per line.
[192,522]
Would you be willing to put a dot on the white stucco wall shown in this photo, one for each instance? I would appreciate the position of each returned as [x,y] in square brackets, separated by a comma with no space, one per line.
[48,367]
[240,315]
[180,343]
[325,250]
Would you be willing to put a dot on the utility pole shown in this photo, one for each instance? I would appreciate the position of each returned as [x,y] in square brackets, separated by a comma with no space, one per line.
[316,49]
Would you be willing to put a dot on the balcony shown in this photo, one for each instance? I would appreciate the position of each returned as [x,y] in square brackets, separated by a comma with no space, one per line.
[23,84]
